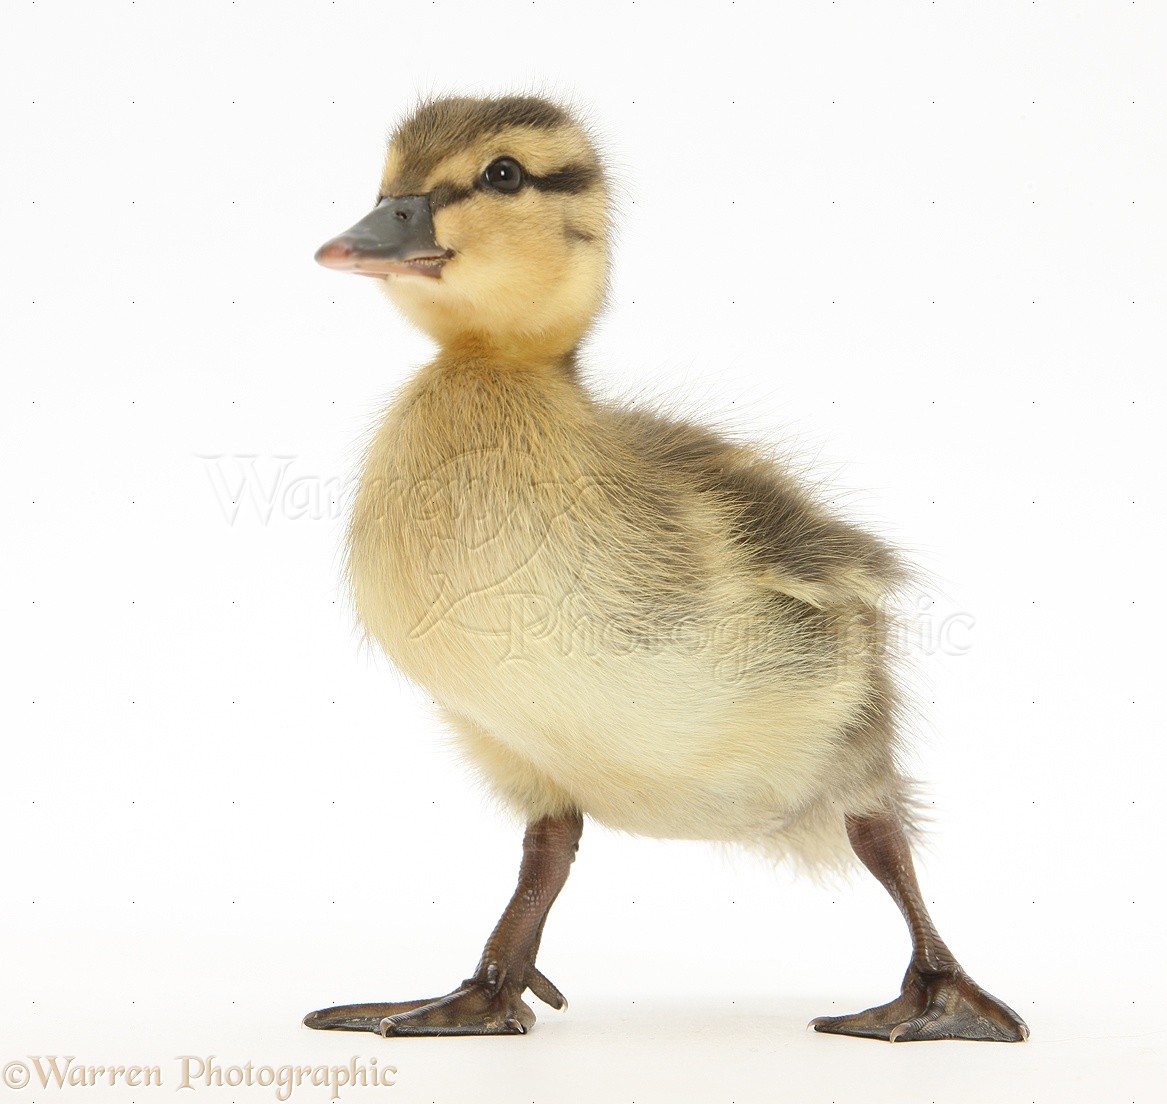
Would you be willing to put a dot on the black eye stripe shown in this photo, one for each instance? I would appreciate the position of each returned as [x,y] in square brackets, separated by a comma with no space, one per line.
[443,195]
[571,178]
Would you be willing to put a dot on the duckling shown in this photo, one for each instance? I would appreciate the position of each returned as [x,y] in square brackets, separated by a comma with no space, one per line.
[620,615]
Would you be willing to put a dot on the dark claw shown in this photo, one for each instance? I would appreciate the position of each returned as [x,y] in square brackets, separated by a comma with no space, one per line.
[547,992]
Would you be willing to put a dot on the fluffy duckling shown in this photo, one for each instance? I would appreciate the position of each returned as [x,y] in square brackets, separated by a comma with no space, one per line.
[620,615]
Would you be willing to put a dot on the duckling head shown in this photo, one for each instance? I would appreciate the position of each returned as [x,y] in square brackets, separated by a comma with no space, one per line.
[490,231]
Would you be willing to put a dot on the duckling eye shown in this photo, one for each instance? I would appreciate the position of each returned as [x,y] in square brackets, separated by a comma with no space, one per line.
[504,175]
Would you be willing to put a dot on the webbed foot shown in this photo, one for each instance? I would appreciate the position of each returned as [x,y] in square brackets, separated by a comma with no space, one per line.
[486,1004]
[942,1005]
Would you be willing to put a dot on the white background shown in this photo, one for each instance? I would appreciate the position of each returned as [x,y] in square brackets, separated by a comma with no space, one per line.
[919,243]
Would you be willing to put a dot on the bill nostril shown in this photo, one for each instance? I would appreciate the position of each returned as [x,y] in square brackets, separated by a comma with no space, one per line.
[402,215]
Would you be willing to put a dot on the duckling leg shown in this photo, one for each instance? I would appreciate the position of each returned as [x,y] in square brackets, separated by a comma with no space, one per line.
[489,1002]
[938,1000]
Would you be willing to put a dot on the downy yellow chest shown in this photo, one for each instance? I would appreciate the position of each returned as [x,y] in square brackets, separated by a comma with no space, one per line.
[472,537]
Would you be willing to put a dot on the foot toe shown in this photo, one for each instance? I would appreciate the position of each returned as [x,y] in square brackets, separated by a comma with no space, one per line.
[358,1017]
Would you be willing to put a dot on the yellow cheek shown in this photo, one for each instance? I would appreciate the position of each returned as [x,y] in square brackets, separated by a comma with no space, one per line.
[511,236]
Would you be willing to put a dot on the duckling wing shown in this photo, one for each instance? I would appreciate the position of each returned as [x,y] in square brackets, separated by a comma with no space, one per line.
[796,545]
